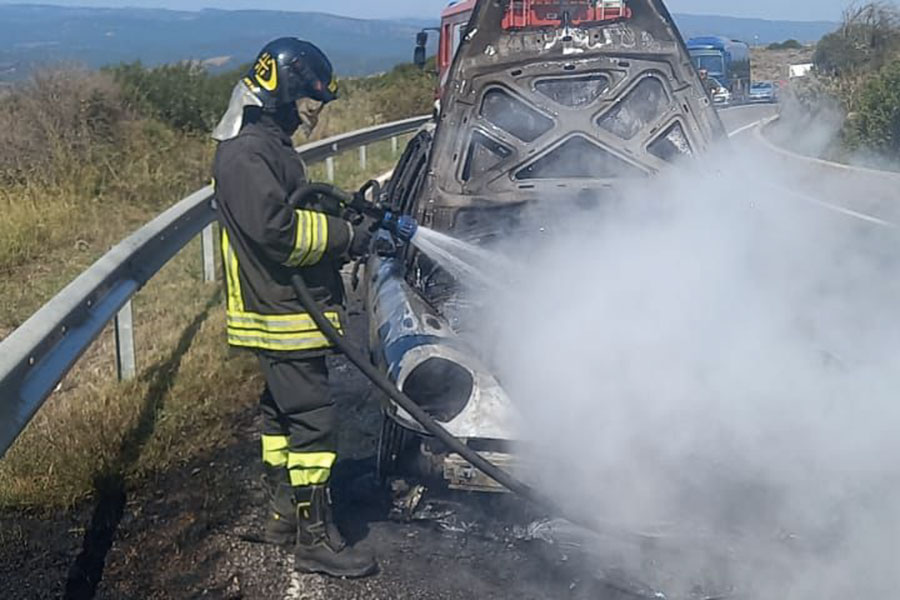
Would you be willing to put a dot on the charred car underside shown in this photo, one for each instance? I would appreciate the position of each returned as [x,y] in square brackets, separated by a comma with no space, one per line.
[562,98]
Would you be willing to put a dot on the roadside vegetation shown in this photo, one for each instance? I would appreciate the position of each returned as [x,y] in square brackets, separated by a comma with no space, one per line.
[855,86]
[85,159]
[791,44]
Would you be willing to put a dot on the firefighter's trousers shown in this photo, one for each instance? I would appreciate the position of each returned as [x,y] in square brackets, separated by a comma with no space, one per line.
[298,419]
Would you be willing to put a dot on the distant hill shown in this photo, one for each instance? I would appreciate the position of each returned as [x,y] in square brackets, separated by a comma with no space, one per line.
[37,34]
[747,29]
[34,34]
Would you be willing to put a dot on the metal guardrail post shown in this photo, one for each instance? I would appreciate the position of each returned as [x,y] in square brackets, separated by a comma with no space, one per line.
[126,362]
[363,158]
[208,241]
[329,169]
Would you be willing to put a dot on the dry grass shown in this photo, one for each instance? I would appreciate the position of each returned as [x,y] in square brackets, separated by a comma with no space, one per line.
[178,408]
[348,171]
[190,384]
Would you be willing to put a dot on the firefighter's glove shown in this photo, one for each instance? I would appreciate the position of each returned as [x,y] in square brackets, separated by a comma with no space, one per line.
[361,233]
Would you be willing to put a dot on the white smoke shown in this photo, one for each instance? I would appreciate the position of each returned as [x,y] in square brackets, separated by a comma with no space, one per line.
[712,362]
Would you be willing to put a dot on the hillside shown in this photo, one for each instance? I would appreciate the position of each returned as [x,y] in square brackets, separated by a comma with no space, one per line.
[748,29]
[31,35]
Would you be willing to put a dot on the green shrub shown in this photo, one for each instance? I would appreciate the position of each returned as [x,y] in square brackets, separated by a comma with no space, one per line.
[876,121]
[185,95]
[58,120]
[403,92]
[791,44]
[188,98]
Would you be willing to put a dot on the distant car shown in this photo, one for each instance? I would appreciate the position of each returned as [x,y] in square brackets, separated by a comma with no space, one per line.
[721,95]
[763,92]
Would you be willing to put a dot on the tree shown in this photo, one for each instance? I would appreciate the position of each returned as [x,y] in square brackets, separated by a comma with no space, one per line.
[868,38]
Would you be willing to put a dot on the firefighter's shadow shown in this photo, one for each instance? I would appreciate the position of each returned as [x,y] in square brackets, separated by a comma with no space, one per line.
[359,500]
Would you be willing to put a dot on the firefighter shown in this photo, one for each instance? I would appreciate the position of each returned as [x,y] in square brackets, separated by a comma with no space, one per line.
[265,240]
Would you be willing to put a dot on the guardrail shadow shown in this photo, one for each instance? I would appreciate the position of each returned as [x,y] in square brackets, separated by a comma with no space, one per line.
[86,572]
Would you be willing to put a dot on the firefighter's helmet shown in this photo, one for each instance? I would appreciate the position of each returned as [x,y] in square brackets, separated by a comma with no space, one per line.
[287,70]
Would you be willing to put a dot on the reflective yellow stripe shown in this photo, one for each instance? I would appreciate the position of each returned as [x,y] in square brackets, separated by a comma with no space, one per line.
[302,241]
[320,245]
[310,468]
[311,240]
[284,333]
[303,341]
[301,323]
[306,477]
[310,220]
[311,460]
[232,275]
[275,450]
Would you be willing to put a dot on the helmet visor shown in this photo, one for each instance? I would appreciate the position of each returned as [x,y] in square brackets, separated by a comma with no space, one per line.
[325,91]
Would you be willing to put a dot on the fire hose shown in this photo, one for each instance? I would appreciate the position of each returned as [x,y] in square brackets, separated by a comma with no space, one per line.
[402,227]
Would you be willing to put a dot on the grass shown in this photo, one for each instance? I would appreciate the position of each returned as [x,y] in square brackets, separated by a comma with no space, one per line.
[349,174]
[190,384]
[178,407]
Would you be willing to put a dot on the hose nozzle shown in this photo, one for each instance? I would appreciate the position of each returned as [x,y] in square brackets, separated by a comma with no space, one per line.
[402,227]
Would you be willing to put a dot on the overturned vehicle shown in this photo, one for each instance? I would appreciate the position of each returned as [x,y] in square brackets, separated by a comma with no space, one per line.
[538,98]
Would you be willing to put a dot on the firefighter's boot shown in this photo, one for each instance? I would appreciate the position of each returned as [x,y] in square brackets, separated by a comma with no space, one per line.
[320,546]
[281,524]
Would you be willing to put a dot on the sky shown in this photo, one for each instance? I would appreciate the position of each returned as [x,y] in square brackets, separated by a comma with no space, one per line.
[802,10]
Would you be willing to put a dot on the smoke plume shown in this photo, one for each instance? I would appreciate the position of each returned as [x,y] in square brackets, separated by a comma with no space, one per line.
[713,365]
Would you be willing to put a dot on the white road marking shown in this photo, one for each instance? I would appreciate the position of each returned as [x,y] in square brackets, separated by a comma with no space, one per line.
[833,207]
[838,209]
[745,128]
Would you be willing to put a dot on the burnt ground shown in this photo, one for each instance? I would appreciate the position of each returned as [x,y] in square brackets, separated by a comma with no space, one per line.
[189,533]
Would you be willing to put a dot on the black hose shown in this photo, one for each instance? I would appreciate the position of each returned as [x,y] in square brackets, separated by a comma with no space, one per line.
[431,426]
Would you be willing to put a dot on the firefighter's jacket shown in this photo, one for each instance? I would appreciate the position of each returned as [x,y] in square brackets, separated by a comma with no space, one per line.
[265,241]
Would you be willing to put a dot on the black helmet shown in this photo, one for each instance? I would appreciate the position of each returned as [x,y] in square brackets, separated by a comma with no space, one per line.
[288,69]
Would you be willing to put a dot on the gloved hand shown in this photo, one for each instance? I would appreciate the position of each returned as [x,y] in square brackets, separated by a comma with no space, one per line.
[361,237]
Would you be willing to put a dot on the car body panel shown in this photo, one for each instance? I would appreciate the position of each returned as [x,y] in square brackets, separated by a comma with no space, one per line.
[526,114]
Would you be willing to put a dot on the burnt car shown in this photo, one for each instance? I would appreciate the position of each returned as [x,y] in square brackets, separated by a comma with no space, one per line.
[538,99]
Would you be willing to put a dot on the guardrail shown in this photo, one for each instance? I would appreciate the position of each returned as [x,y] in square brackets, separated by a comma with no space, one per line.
[37,355]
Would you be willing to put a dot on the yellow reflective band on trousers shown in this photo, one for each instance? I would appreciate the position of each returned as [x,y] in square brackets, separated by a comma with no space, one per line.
[310,468]
[285,333]
[275,450]
[311,241]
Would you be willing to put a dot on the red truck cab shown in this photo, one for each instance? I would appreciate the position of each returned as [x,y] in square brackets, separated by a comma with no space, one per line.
[521,15]
[453,24]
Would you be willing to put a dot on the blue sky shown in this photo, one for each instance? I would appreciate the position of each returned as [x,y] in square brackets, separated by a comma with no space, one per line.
[803,10]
